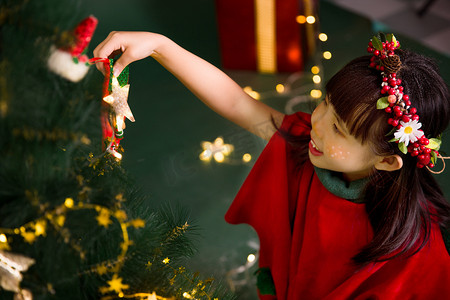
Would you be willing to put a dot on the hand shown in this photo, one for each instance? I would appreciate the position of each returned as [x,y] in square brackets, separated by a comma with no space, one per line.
[132,45]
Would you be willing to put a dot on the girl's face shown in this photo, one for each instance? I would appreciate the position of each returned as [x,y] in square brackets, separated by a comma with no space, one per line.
[333,148]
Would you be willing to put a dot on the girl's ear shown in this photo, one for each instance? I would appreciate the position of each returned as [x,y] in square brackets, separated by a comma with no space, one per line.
[389,163]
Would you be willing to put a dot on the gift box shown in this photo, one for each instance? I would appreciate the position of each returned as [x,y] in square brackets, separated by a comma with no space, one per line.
[262,35]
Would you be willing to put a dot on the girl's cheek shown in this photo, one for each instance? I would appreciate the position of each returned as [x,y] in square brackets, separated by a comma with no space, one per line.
[337,152]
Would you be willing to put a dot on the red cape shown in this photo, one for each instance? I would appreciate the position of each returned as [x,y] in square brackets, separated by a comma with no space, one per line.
[308,235]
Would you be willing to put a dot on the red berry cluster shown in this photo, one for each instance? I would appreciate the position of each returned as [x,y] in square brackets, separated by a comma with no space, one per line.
[399,104]
[423,153]
[388,50]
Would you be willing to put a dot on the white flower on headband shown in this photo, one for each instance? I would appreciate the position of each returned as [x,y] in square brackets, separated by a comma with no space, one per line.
[409,132]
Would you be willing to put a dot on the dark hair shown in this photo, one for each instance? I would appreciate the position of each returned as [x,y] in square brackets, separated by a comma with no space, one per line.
[401,205]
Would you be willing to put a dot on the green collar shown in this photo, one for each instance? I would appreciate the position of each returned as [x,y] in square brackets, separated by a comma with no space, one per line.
[333,182]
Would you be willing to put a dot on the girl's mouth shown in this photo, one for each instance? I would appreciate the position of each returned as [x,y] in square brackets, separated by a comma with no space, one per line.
[314,149]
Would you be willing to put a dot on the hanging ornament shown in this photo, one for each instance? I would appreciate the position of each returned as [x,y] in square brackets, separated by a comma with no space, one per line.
[115,106]
[69,59]
[118,100]
[11,264]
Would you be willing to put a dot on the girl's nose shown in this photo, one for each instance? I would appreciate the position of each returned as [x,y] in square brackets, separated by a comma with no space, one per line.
[317,120]
[317,128]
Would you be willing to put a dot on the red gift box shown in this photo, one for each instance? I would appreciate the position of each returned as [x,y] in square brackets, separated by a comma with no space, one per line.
[261,35]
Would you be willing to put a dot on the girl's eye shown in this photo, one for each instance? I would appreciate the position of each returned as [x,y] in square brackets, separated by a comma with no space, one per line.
[336,129]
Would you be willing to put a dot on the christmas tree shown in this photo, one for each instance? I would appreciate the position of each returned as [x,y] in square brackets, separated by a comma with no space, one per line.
[72,223]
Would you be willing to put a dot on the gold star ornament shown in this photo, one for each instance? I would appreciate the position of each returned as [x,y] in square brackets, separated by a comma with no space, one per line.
[116,285]
[118,100]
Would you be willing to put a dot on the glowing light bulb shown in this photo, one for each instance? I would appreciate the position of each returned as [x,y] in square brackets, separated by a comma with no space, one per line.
[218,142]
[327,55]
[323,37]
[315,70]
[116,154]
[251,258]
[219,157]
[206,145]
[310,19]
[301,19]
[280,88]
[246,157]
[3,238]
[317,79]
[68,202]
[206,155]
[227,149]
[316,94]
[40,229]
[121,295]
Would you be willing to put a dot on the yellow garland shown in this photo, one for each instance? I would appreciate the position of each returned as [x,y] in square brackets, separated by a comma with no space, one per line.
[57,217]
[33,229]
[142,296]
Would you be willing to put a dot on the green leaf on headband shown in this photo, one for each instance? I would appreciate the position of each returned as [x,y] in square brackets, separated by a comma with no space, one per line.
[382,103]
[394,140]
[433,157]
[376,43]
[434,144]
[402,147]
[391,38]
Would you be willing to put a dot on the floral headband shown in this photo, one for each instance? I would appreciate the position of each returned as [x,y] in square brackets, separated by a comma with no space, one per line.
[404,117]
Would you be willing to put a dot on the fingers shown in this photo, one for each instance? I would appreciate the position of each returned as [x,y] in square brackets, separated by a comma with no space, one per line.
[131,45]
[105,48]
[110,45]
[100,66]
[123,61]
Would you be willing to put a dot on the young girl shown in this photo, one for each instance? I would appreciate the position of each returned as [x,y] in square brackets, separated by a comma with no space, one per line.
[342,200]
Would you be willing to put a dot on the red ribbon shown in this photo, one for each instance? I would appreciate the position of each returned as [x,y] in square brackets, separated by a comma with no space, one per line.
[95,60]
[107,130]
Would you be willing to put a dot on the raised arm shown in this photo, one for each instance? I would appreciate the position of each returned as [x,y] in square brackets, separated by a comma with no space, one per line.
[212,86]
